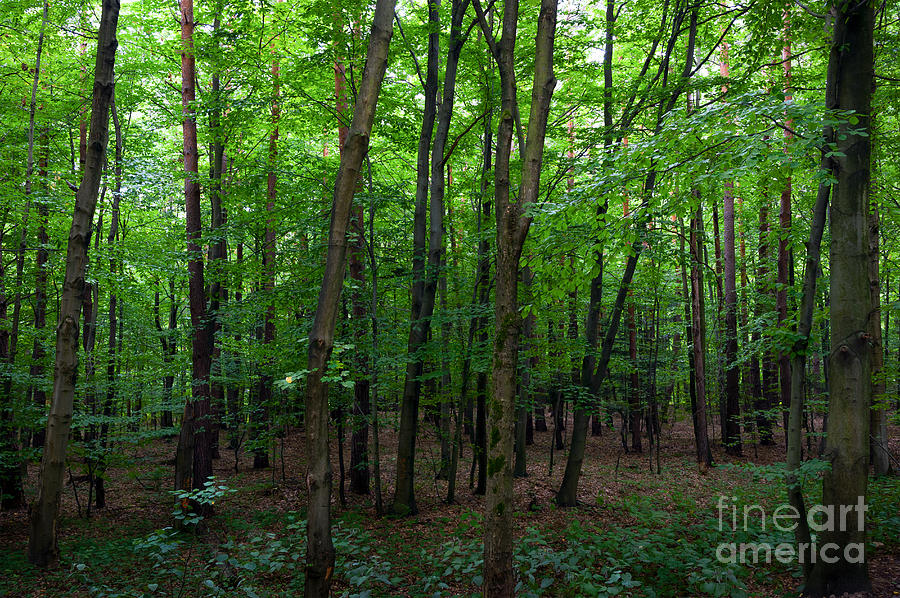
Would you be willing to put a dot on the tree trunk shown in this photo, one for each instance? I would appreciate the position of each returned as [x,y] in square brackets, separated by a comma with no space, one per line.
[194,441]
[320,550]
[698,331]
[878,439]
[404,491]
[169,349]
[732,425]
[112,345]
[359,420]
[42,547]
[850,360]
[261,409]
[764,396]
[512,228]
[218,246]
[38,351]
[785,254]
[522,408]
[732,439]
[592,376]
[635,408]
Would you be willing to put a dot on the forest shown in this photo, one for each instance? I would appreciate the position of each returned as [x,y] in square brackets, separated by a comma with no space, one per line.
[489,298]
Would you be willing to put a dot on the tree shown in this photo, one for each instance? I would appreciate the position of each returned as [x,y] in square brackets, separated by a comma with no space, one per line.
[847,445]
[194,458]
[319,548]
[512,229]
[425,260]
[732,439]
[42,547]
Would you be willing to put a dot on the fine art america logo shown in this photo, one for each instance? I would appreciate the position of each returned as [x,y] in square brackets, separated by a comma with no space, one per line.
[786,518]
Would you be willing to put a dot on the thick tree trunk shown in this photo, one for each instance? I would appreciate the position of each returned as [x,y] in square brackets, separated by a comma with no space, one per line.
[42,547]
[320,550]
[844,485]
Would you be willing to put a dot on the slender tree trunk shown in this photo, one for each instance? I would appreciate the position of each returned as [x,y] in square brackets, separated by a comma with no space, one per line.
[785,254]
[373,314]
[261,410]
[218,247]
[446,388]
[11,472]
[592,376]
[42,546]
[689,328]
[520,465]
[732,437]
[359,442]
[512,229]
[764,396]
[844,485]
[404,491]
[235,391]
[878,439]
[169,349]
[479,453]
[635,409]
[320,550]
[698,330]
[38,351]
[193,458]
[112,354]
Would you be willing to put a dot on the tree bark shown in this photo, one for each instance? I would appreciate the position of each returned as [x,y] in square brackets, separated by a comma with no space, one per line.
[698,331]
[320,550]
[112,354]
[264,396]
[785,265]
[764,399]
[404,492]
[593,371]
[42,546]
[512,228]
[732,425]
[732,439]
[878,438]
[847,445]
[218,246]
[359,441]
[194,441]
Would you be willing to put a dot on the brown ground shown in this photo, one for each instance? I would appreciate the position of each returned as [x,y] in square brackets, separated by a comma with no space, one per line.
[139,504]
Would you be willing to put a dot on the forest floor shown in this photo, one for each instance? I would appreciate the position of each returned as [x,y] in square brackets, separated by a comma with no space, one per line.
[637,532]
